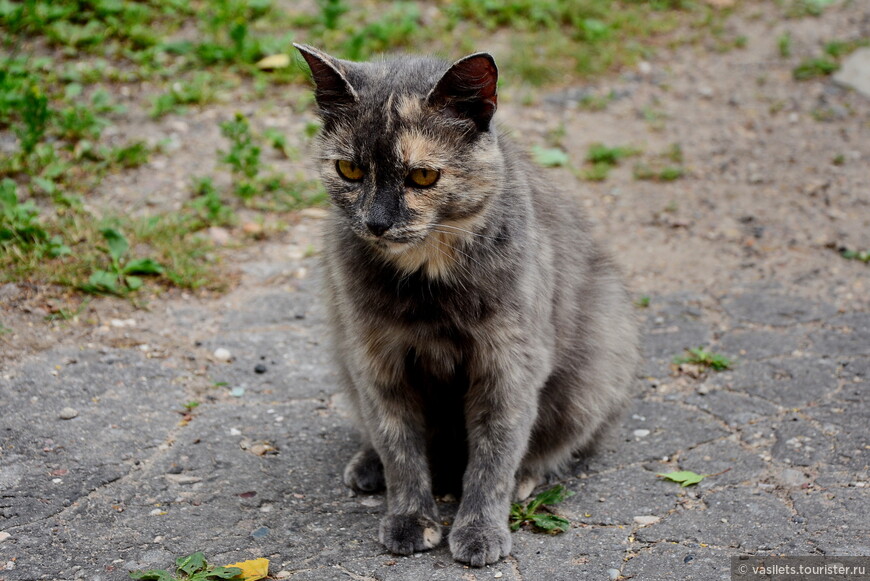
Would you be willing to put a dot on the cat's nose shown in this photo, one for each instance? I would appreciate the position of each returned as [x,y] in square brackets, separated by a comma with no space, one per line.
[377,225]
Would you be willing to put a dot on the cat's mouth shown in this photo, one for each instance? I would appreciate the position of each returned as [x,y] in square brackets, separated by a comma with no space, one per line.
[395,243]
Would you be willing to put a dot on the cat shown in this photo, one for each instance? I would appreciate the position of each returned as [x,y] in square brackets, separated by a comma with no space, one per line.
[482,336]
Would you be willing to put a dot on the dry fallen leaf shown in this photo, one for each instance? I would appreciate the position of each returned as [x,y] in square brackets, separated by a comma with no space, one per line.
[274,61]
[254,569]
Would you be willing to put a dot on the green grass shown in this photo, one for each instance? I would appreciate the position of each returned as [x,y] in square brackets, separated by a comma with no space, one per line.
[814,68]
[804,8]
[600,159]
[62,61]
[783,44]
[705,358]
[534,512]
[859,255]
[829,62]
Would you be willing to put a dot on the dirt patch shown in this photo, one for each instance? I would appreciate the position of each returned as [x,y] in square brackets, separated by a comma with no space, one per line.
[775,183]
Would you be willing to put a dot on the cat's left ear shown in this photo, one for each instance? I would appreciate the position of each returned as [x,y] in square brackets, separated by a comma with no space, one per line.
[332,88]
[468,89]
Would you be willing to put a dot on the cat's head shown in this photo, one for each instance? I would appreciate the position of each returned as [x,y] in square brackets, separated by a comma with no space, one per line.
[407,150]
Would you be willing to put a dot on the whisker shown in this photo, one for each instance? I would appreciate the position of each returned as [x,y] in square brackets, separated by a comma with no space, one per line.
[439,225]
[463,253]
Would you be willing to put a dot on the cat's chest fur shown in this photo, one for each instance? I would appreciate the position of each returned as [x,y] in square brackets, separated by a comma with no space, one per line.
[413,323]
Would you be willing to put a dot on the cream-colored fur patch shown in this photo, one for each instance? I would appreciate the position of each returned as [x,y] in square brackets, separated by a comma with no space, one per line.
[526,486]
[419,150]
[431,537]
[436,256]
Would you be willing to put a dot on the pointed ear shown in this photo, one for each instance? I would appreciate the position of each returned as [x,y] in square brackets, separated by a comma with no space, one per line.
[468,90]
[332,88]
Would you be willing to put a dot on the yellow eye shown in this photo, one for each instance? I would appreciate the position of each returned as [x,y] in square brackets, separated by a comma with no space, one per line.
[349,170]
[422,177]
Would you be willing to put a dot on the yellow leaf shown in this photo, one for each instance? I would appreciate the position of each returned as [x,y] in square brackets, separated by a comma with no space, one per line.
[254,569]
[274,61]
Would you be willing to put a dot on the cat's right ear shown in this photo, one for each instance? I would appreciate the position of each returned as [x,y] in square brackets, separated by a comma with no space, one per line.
[332,89]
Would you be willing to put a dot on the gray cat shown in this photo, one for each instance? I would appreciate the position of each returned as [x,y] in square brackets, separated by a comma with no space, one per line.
[481,334]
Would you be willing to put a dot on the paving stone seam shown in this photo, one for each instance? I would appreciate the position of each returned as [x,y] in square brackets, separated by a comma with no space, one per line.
[352,575]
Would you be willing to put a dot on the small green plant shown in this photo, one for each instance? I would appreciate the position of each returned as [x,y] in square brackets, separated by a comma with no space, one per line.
[191,405]
[840,48]
[394,29]
[801,8]
[666,167]
[859,255]
[123,275]
[35,116]
[331,11]
[20,226]
[814,68]
[199,90]
[603,158]
[528,513]
[669,173]
[704,358]
[783,43]
[191,568]
[597,172]
[209,206]
[642,302]
[243,156]
[600,153]
[133,154]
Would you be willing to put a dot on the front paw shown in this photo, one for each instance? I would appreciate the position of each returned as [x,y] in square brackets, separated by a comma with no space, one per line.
[480,544]
[404,534]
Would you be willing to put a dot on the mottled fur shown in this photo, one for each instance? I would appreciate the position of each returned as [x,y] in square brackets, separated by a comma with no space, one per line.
[482,335]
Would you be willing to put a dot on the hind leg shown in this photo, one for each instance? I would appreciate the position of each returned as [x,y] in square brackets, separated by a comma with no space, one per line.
[365,472]
[527,481]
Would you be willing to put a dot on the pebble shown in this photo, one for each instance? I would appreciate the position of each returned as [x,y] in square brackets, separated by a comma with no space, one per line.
[641,433]
[222,354]
[498,574]
[613,573]
[261,449]
[182,478]
[703,389]
[260,533]
[220,236]
[855,71]
[260,368]
[646,520]
[792,477]
[68,413]
[4,535]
